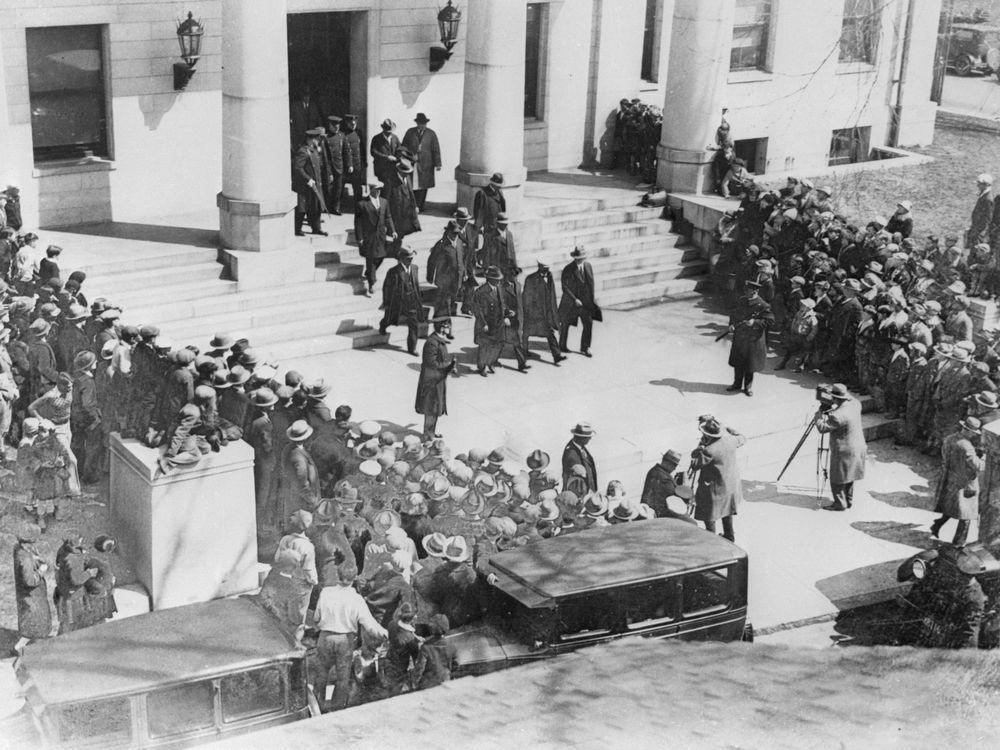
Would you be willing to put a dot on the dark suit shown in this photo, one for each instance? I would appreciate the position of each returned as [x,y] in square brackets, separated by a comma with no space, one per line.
[427,157]
[573,454]
[490,308]
[446,270]
[383,151]
[337,161]
[488,202]
[514,333]
[498,250]
[984,221]
[401,299]
[302,117]
[432,387]
[308,165]
[355,168]
[577,285]
[541,316]
[371,226]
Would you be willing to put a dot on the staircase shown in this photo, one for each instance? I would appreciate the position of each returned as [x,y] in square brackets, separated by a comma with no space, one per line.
[636,258]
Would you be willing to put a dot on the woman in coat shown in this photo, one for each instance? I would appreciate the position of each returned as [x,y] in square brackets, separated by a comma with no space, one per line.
[34,617]
[720,489]
[957,493]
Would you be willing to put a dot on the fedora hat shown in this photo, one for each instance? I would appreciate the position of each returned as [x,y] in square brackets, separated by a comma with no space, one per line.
[959,355]
[264,397]
[495,457]
[579,252]
[376,185]
[987,399]
[595,505]
[971,424]
[434,544]
[220,341]
[462,214]
[438,488]
[220,380]
[583,429]
[39,327]
[710,428]
[496,178]
[538,459]
[473,503]
[671,457]
[406,251]
[625,510]
[84,360]
[456,549]
[502,218]
[77,312]
[550,510]
[298,431]
[238,375]
[493,273]
[317,389]
[839,391]
[384,520]
[388,124]
[421,117]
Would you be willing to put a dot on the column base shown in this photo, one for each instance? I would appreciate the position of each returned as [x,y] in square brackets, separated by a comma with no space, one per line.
[272,268]
[681,171]
[254,226]
[513,188]
[916,124]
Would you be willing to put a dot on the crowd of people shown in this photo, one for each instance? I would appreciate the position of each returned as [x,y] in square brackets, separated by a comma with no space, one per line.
[637,131]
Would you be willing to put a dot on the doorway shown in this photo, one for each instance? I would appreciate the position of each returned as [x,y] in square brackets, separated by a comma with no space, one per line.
[327,55]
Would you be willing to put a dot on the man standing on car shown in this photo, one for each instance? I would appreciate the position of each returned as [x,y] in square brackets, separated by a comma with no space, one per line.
[847,446]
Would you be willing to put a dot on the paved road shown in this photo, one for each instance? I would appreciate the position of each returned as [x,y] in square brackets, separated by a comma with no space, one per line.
[978,95]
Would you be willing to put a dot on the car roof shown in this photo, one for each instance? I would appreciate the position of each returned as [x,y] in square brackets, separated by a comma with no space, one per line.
[148,651]
[611,556]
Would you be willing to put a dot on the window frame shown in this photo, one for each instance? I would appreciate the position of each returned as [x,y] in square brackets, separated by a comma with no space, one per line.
[97,151]
[668,619]
[101,740]
[282,699]
[652,41]
[762,50]
[860,139]
[213,687]
[729,571]
[866,28]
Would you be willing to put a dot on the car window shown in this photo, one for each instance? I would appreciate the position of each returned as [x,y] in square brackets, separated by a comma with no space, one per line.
[176,710]
[650,603]
[252,693]
[588,616]
[707,591]
[107,720]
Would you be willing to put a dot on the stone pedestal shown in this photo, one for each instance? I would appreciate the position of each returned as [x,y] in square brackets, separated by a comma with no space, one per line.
[256,202]
[190,535]
[989,493]
[492,111]
[701,37]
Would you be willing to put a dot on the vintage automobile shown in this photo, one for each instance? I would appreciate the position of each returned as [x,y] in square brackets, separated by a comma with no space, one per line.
[974,47]
[660,578]
[170,678]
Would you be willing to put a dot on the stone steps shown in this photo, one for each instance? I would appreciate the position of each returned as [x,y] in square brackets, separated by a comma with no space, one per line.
[591,219]
[153,280]
[594,237]
[151,261]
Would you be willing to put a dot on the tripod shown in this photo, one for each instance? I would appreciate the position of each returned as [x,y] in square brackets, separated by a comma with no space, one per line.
[821,468]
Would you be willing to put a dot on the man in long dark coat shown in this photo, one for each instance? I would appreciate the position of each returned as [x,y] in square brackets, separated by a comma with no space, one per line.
[541,316]
[298,480]
[401,298]
[982,212]
[498,246]
[468,240]
[34,618]
[490,310]
[374,230]
[402,203]
[749,323]
[576,453]
[720,488]
[847,446]
[422,142]
[447,271]
[303,115]
[578,301]
[487,203]
[843,321]
[260,436]
[383,149]
[85,418]
[957,492]
[337,156]
[307,182]
[513,333]
[435,366]
[354,140]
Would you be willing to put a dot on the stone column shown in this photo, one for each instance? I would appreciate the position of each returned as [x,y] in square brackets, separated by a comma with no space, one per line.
[700,40]
[916,111]
[492,103]
[256,201]
[989,492]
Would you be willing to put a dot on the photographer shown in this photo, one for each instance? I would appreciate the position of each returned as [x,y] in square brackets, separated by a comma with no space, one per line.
[720,489]
[840,417]
[957,493]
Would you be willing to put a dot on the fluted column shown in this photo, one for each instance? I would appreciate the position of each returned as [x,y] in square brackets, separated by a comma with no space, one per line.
[492,103]
[700,41]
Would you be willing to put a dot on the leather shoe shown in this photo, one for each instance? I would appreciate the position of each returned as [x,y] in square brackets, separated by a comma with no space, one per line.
[586,353]
[299,233]
[747,391]
[489,368]
[523,368]
[564,349]
[834,506]
[321,233]
[733,388]
[481,371]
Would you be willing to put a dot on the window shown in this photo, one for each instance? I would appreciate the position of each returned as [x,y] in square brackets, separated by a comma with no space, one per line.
[706,592]
[109,721]
[185,708]
[650,604]
[754,152]
[587,617]
[66,87]
[650,41]
[849,146]
[533,61]
[247,694]
[859,31]
[750,35]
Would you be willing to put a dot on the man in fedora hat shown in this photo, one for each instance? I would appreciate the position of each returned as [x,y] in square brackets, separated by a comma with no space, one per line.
[260,436]
[401,298]
[86,440]
[42,372]
[234,404]
[576,453]
[303,115]
[72,337]
[957,492]
[446,269]
[298,481]
[848,450]
[513,334]
[578,301]
[660,484]
[356,166]
[953,384]
[541,315]
[468,240]
[422,142]
[374,230]
[720,487]
[498,246]
[488,202]
[843,321]
[402,202]
[982,212]
[337,159]
[383,150]
[435,366]
[490,308]
[749,323]
[307,182]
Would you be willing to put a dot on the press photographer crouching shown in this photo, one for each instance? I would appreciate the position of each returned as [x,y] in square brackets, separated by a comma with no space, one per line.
[839,416]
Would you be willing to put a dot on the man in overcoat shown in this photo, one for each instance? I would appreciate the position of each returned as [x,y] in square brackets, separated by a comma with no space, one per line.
[260,436]
[307,182]
[374,230]
[303,115]
[842,422]
[489,307]
[660,484]
[843,321]
[541,316]
[498,246]
[383,151]
[749,324]
[354,139]
[720,488]
[435,366]
[982,212]
[576,453]
[338,162]
[578,301]
[298,480]
[422,142]
[447,271]
[513,333]
[468,240]
[487,203]
[401,298]
[957,492]
[34,618]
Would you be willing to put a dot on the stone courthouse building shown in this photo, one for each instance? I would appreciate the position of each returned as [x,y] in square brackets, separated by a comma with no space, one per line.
[92,128]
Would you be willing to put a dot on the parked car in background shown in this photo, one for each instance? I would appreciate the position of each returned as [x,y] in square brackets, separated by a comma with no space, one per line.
[659,578]
[974,48]
[171,678]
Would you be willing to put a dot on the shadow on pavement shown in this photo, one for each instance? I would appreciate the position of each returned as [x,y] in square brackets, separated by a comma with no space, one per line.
[910,534]
[685,386]
[917,497]
[790,496]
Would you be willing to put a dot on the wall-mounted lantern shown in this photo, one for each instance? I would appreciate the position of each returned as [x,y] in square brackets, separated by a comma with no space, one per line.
[189,34]
[448,19]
